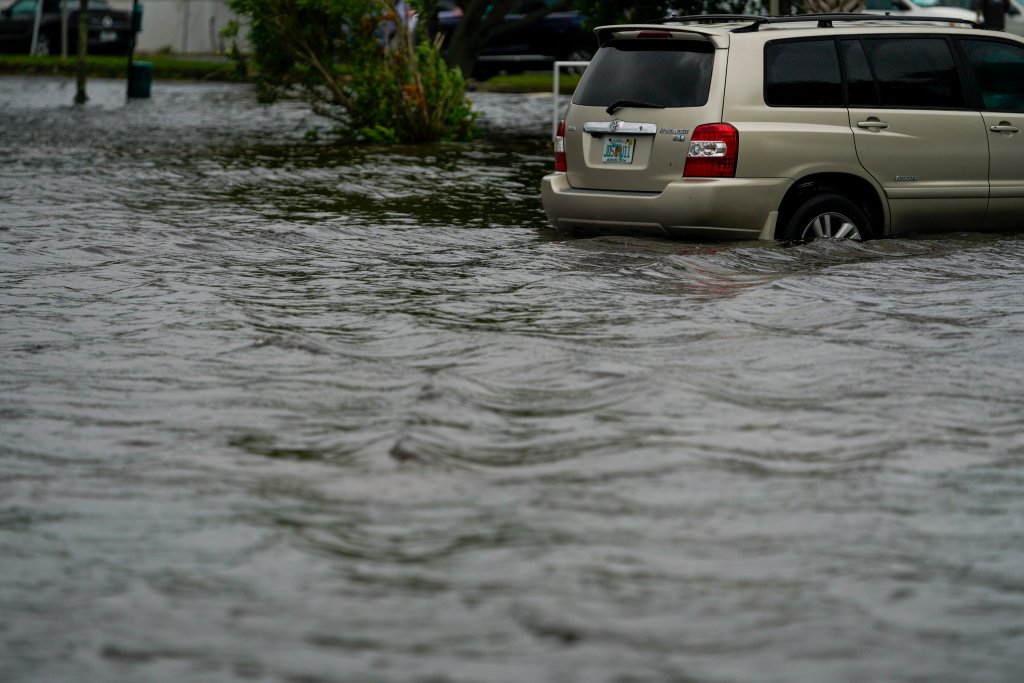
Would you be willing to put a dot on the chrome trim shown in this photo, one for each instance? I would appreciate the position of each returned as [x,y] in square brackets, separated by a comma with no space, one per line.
[619,126]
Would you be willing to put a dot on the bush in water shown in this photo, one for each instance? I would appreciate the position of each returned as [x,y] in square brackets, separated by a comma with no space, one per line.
[360,63]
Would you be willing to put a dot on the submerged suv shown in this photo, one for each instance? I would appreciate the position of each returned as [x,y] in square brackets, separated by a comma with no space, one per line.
[794,128]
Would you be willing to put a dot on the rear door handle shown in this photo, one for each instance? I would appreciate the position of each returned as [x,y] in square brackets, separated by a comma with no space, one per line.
[1004,128]
[873,123]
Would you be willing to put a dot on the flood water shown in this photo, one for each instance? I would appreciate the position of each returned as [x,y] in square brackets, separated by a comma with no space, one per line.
[282,409]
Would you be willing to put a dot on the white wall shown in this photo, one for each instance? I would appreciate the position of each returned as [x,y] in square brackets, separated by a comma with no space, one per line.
[184,26]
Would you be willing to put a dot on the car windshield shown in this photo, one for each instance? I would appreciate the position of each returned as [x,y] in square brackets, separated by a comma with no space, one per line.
[658,73]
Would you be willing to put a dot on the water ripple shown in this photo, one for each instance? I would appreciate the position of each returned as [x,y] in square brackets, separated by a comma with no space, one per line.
[283,410]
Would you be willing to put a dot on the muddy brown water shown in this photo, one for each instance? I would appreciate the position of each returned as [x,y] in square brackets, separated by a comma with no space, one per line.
[274,409]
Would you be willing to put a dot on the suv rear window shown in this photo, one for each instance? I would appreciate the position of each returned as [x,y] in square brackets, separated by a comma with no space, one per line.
[664,72]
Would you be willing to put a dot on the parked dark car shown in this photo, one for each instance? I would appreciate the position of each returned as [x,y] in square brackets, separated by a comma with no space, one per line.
[110,30]
[559,36]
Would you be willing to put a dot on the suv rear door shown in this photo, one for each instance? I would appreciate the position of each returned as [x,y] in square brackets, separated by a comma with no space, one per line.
[629,124]
[914,132]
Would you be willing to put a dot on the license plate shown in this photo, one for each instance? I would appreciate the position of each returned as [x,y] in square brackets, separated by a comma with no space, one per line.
[619,150]
[108,36]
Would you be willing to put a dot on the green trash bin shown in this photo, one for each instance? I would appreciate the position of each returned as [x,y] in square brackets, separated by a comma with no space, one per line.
[140,79]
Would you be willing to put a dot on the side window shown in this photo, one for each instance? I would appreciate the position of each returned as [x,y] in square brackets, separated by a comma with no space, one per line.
[802,73]
[915,73]
[860,83]
[999,70]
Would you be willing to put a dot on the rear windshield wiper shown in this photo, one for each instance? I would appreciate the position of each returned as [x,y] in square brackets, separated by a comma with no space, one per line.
[619,104]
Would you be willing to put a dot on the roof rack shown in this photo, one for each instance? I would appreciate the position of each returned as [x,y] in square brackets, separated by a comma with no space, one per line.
[708,18]
[823,20]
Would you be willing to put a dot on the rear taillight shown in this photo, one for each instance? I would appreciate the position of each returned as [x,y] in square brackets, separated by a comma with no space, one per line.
[714,148]
[560,164]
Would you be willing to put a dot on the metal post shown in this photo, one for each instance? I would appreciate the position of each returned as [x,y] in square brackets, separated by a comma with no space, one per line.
[35,28]
[555,90]
[184,35]
[131,45]
[63,28]
[556,71]
[83,50]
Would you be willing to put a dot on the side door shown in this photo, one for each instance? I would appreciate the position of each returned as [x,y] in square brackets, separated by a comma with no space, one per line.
[998,68]
[16,26]
[914,133]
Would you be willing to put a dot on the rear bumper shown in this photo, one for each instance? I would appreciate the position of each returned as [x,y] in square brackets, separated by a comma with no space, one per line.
[713,208]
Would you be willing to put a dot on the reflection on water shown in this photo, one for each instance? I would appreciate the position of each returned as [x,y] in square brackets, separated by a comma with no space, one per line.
[287,411]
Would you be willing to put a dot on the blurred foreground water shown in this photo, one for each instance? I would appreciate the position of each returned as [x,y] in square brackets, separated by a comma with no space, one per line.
[281,410]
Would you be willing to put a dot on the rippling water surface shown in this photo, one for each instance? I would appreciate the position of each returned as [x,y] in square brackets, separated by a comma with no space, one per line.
[282,410]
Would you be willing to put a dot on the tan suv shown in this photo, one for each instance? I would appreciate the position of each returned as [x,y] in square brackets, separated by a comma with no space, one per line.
[844,126]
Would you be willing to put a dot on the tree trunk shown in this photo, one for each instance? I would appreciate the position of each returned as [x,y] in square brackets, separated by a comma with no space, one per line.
[63,28]
[83,50]
[462,52]
[483,21]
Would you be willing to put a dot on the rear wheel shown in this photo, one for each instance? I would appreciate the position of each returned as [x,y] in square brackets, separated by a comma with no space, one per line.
[828,215]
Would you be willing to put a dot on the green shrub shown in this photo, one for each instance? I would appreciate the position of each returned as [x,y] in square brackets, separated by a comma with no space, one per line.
[356,63]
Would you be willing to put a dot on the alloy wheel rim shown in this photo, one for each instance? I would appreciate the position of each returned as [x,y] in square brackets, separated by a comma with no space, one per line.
[832,225]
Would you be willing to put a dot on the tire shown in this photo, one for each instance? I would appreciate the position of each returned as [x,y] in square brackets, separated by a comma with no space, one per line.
[44,47]
[578,53]
[828,215]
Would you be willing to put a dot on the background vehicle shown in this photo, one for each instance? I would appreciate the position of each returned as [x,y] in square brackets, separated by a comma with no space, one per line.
[908,7]
[557,36]
[109,29]
[1014,16]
